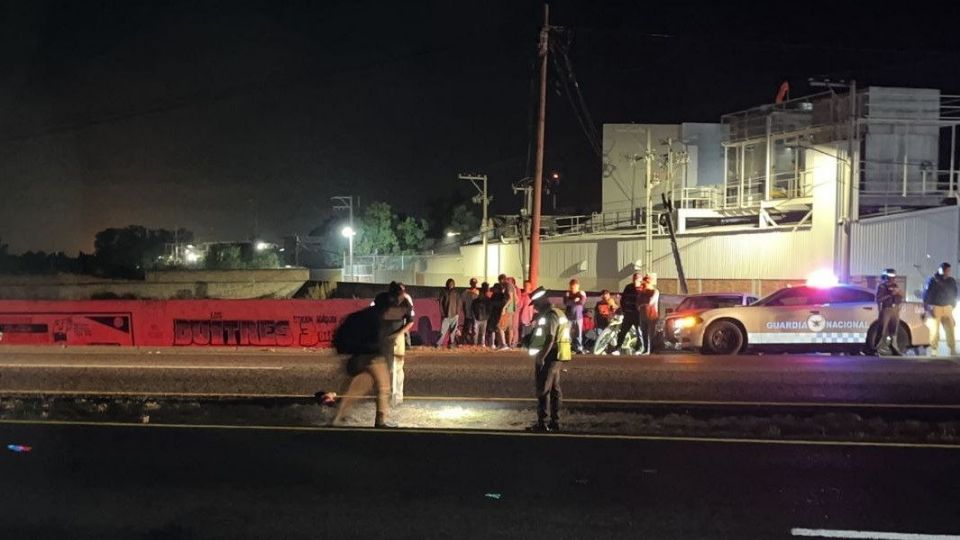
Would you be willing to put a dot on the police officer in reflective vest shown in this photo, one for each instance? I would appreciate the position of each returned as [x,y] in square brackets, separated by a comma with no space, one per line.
[889,299]
[550,345]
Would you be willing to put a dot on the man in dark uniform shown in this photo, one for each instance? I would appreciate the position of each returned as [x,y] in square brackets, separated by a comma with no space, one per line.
[940,300]
[889,299]
[630,305]
[550,345]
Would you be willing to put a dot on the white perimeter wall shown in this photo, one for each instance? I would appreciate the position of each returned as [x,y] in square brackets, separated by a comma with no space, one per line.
[914,243]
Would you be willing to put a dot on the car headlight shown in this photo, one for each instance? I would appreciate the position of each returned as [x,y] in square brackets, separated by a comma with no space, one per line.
[687,322]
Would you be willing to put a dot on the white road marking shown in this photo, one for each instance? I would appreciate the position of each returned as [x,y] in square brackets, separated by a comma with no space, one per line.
[498,433]
[870,535]
[135,366]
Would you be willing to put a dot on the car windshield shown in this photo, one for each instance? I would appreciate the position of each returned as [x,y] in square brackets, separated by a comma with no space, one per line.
[794,296]
[709,302]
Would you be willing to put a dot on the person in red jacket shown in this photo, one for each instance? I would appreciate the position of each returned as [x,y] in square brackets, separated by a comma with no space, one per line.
[648,301]
[526,310]
[605,309]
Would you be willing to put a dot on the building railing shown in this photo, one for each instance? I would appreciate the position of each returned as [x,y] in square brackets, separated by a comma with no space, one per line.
[946,107]
[936,181]
[949,106]
[907,179]
[616,220]
[748,194]
[790,115]
[708,197]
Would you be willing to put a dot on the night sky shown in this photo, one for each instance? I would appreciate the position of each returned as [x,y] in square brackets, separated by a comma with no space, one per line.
[236,119]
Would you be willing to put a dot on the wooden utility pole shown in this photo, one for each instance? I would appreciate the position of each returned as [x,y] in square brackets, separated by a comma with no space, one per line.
[648,206]
[538,171]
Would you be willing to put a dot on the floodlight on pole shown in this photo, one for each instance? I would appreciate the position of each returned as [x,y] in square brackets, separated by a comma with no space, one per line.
[349,233]
[345,202]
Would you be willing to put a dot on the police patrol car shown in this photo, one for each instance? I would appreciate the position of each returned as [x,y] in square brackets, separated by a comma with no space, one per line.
[811,318]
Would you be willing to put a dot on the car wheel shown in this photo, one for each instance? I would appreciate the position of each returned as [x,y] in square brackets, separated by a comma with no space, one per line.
[903,339]
[723,337]
[873,340]
[659,341]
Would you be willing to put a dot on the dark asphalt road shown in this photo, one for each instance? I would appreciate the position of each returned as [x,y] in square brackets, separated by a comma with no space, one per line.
[781,378]
[178,483]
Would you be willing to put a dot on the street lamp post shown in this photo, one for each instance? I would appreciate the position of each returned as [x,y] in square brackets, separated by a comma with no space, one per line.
[349,233]
[345,202]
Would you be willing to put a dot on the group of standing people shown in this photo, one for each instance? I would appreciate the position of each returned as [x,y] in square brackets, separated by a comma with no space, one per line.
[492,316]
[639,303]
[500,316]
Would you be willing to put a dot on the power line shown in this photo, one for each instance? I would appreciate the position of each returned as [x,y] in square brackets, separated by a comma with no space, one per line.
[598,147]
[572,91]
[754,43]
[568,93]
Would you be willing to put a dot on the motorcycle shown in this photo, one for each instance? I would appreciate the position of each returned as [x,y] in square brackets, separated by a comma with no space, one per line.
[607,340]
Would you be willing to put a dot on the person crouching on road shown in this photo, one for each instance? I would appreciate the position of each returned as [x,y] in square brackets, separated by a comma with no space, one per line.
[550,346]
[940,299]
[889,300]
[574,301]
[589,331]
[450,304]
[605,309]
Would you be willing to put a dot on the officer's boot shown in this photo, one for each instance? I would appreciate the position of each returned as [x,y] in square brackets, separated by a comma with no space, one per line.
[381,421]
[539,427]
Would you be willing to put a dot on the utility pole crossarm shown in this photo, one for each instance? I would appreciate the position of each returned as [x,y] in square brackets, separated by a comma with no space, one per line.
[485,201]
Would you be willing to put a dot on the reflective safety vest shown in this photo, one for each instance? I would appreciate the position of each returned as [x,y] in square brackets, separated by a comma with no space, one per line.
[538,340]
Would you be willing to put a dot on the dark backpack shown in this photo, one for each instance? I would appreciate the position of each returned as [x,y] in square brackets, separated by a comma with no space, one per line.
[357,334]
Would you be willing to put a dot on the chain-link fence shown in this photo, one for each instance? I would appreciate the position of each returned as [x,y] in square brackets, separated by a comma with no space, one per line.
[420,269]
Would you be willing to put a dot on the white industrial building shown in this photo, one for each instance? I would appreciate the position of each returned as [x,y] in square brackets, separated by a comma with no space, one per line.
[854,182]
